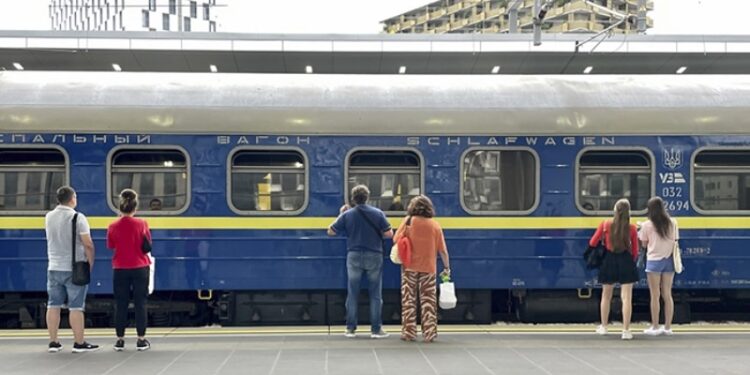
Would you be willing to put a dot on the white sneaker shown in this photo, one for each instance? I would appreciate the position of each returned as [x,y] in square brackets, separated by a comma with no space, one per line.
[666,332]
[651,331]
[349,333]
[379,335]
[627,335]
[601,330]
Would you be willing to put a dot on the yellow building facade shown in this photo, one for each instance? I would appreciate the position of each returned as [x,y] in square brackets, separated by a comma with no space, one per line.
[492,16]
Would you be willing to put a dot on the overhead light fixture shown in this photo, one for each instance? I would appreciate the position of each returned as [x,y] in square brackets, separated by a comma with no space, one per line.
[402,69]
[308,69]
[213,68]
[588,69]
[18,66]
[116,67]
[681,70]
[496,69]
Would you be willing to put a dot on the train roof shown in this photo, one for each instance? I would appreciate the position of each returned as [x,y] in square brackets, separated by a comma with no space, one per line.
[374,54]
[125,102]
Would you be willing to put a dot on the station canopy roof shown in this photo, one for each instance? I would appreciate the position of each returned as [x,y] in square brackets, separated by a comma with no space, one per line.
[373,54]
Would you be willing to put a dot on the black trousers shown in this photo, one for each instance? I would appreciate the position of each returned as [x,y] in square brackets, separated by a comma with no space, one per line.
[124,281]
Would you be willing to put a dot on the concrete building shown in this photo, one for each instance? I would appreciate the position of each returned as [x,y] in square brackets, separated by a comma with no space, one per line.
[492,16]
[133,15]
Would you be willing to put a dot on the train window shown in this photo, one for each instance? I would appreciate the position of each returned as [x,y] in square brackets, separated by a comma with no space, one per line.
[393,177]
[268,181]
[721,181]
[499,181]
[29,179]
[159,176]
[605,176]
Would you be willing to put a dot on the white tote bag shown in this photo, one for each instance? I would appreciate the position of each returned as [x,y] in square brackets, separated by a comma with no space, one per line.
[151,274]
[676,254]
[678,268]
[447,299]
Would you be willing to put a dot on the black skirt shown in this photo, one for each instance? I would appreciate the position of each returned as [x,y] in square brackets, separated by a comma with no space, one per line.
[618,268]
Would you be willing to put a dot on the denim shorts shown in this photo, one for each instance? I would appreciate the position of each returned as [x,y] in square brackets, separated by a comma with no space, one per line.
[61,289]
[660,265]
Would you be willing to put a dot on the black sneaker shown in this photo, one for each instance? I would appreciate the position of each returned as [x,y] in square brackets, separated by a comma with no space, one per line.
[142,345]
[119,345]
[85,347]
[54,347]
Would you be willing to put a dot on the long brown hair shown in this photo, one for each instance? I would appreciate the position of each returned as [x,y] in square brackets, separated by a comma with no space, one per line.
[658,215]
[421,206]
[620,227]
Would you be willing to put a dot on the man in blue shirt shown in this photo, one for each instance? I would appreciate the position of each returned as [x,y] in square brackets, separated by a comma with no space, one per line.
[365,227]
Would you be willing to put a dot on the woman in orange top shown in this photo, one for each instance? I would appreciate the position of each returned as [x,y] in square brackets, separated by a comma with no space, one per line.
[419,278]
[621,240]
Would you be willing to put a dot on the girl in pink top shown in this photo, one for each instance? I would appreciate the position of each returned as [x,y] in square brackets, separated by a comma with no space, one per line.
[659,235]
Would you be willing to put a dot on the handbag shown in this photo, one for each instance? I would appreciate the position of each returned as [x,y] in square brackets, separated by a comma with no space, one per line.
[81,270]
[401,249]
[447,298]
[594,255]
[146,245]
[676,253]
[641,263]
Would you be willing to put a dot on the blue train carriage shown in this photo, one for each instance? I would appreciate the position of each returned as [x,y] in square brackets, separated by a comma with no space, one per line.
[239,175]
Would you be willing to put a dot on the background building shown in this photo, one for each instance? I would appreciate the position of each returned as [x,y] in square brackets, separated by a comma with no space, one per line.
[133,15]
[491,16]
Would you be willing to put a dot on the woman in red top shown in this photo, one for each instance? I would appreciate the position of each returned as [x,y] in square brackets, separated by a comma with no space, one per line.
[130,262]
[418,279]
[621,241]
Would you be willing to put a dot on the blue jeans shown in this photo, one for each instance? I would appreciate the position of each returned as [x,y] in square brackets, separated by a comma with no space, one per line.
[370,262]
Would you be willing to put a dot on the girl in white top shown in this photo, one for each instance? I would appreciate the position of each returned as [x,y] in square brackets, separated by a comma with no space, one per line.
[658,235]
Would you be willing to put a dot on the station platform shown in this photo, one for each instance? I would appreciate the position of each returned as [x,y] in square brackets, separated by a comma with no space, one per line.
[466,349]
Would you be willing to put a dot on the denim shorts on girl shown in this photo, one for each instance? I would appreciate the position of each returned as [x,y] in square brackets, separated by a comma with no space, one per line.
[660,265]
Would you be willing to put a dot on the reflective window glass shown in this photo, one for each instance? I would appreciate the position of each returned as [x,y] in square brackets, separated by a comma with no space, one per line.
[499,180]
[721,180]
[29,178]
[268,181]
[393,177]
[160,177]
[605,176]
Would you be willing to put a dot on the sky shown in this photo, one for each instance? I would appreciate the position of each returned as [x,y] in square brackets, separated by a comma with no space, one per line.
[363,17]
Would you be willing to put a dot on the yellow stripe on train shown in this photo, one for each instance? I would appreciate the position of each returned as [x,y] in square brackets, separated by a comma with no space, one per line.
[185,222]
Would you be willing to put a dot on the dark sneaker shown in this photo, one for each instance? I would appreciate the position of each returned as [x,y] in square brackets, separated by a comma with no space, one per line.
[119,345]
[142,345]
[350,333]
[85,347]
[54,347]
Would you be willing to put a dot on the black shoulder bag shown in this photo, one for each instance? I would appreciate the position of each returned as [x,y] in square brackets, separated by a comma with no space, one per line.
[594,255]
[374,227]
[81,270]
[145,245]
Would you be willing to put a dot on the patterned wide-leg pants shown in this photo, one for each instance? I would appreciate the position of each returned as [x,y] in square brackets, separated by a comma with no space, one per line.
[422,285]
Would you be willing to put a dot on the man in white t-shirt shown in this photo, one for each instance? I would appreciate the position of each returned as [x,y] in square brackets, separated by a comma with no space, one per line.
[60,288]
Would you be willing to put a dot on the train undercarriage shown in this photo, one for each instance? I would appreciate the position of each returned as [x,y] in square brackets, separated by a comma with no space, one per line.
[274,308]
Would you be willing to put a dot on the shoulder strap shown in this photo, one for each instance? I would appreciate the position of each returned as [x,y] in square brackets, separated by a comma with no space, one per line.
[75,226]
[369,221]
